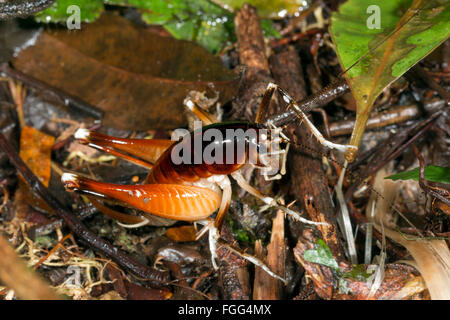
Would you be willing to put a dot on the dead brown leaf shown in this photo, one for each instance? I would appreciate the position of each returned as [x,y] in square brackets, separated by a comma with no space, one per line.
[136,76]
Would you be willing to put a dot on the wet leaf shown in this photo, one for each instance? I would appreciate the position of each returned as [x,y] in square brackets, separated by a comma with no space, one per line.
[359,273]
[181,234]
[196,20]
[202,21]
[412,30]
[35,151]
[321,255]
[273,9]
[60,11]
[432,173]
[139,91]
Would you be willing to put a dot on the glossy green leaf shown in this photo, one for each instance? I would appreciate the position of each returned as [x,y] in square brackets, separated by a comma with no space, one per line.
[321,255]
[375,57]
[271,9]
[358,273]
[432,173]
[195,20]
[90,10]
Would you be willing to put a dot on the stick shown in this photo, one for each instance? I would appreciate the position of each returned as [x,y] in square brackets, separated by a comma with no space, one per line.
[67,99]
[252,57]
[307,176]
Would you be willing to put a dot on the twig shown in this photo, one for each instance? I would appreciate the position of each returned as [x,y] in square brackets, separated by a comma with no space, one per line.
[22,8]
[307,176]
[67,99]
[77,227]
[392,116]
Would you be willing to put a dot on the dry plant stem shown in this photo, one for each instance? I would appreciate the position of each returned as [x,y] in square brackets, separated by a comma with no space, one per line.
[22,8]
[318,99]
[307,176]
[362,222]
[17,276]
[72,102]
[392,116]
[266,287]
[77,227]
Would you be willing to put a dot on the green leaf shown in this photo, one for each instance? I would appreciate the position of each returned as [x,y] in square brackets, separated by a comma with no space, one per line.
[321,255]
[432,173]
[90,10]
[271,9]
[409,30]
[358,273]
[269,30]
[195,20]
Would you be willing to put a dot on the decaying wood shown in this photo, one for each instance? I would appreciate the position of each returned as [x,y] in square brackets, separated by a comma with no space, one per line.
[17,276]
[252,57]
[399,282]
[321,276]
[305,167]
[233,273]
[265,286]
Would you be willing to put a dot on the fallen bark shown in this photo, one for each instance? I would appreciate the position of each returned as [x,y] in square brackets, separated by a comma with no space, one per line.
[265,286]
[305,168]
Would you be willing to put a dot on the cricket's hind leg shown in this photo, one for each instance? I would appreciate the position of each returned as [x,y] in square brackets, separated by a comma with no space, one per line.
[269,200]
[215,240]
[171,201]
[143,152]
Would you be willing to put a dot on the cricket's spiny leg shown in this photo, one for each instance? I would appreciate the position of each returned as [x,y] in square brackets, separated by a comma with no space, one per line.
[269,200]
[214,239]
[265,103]
[292,104]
